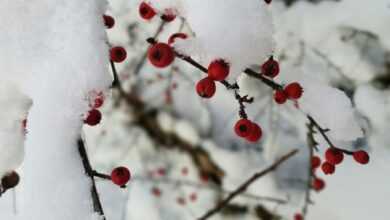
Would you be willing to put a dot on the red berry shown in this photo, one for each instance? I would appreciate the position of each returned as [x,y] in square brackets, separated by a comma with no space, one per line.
[334,156]
[10,180]
[361,157]
[184,171]
[168,16]
[146,11]
[193,197]
[161,172]
[120,176]
[270,68]
[118,54]
[298,216]
[204,178]
[24,123]
[206,88]
[93,118]
[255,133]
[328,168]
[156,192]
[99,101]
[108,21]
[218,70]
[181,201]
[161,55]
[318,184]
[315,162]
[243,128]
[280,97]
[293,90]
[173,37]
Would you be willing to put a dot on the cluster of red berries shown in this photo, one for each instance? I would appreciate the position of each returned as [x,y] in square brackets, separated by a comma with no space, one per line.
[292,91]
[218,70]
[147,12]
[94,116]
[117,54]
[120,176]
[247,129]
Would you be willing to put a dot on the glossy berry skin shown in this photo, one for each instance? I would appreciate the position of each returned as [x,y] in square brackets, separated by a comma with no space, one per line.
[328,168]
[120,176]
[280,97]
[206,88]
[255,133]
[175,36]
[270,68]
[243,128]
[118,54]
[293,90]
[334,156]
[161,55]
[298,216]
[93,118]
[146,11]
[218,70]
[109,21]
[315,162]
[10,180]
[318,184]
[361,157]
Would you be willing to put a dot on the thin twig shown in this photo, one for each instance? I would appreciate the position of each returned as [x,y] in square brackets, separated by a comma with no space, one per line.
[246,184]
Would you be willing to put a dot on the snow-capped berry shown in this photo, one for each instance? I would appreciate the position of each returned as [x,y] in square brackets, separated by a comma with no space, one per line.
[318,184]
[120,176]
[280,97]
[173,37]
[270,68]
[93,118]
[161,55]
[255,133]
[10,180]
[293,90]
[156,192]
[315,162]
[206,88]
[146,11]
[109,21]
[193,197]
[298,216]
[328,168]
[243,127]
[334,156]
[218,70]
[361,157]
[118,54]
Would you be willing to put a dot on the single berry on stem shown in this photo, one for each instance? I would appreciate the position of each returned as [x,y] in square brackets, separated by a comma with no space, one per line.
[334,156]
[243,127]
[315,162]
[93,118]
[293,90]
[10,180]
[109,21]
[120,176]
[161,55]
[361,157]
[175,36]
[206,88]
[318,184]
[328,168]
[280,97]
[146,11]
[168,17]
[270,68]
[218,70]
[118,54]
[255,133]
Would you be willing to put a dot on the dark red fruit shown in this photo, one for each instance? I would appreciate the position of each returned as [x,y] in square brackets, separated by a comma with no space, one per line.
[318,184]
[280,97]
[156,192]
[108,21]
[315,162]
[293,90]
[168,16]
[120,176]
[173,37]
[255,133]
[328,168]
[218,70]
[206,88]
[93,118]
[298,216]
[161,172]
[146,11]
[270,68]
[161,55]
[118,54]
[334,156]
[10,180]
[243,128]
[361,157]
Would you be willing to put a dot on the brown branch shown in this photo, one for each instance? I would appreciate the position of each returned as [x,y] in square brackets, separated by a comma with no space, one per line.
[246,184]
